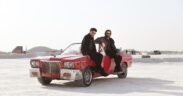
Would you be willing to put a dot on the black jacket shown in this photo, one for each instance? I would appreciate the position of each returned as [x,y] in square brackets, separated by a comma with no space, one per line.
[88,45]
[110,47]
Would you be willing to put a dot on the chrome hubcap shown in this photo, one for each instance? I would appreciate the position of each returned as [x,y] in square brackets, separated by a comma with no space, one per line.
[88,77]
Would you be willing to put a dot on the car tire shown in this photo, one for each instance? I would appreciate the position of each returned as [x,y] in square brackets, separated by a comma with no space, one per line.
[124,72]
[44,80]
[86,79]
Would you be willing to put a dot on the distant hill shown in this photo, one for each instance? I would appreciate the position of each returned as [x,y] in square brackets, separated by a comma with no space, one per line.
[41,49]
[33,52]
[2,52]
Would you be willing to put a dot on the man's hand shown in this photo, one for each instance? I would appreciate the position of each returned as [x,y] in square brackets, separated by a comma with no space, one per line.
[103,44]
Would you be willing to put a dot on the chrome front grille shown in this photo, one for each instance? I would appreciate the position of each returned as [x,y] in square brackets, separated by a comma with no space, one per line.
[51,67]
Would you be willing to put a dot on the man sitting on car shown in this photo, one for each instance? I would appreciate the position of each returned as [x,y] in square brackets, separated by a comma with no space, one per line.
[88,48]
[110,49]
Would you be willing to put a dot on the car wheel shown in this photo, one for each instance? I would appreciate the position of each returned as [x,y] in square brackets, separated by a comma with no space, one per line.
[44,80]
[87,78]
[124,72]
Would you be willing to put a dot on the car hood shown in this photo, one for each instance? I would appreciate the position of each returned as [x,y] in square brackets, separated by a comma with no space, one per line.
[61,58]
[67,57]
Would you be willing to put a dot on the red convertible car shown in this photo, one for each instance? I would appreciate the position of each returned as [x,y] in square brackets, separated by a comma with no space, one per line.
[72,65]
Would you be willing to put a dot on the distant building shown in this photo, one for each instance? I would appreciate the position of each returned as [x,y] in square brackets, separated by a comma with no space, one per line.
[157,52]
[18,49]
[132,51]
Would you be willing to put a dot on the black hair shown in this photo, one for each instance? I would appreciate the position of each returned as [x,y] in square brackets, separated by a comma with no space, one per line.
[93,29]
[108,31]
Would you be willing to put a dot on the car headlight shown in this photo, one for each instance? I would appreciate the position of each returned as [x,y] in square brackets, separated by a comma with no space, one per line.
[68,64]
[34,64]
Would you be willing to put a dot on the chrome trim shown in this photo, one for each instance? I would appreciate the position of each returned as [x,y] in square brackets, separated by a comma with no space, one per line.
[75,74]
[35,70]
[51,67]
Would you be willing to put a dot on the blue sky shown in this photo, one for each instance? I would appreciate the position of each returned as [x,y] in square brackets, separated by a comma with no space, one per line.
[135,24]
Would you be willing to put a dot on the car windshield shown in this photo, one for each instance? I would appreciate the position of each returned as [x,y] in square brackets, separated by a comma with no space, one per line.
[73,49]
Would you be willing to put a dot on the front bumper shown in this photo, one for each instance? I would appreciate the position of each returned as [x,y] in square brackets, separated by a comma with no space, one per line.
[65,74]
[70,74]
[35,72]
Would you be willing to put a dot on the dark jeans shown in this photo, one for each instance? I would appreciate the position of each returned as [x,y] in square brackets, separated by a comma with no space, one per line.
[117,60]
[97,58]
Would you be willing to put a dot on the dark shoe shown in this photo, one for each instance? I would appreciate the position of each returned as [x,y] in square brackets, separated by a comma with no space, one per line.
[103,73]
[117,69]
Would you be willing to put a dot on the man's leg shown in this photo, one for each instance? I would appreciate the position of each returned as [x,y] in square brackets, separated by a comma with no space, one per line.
[98,59]
[117,59]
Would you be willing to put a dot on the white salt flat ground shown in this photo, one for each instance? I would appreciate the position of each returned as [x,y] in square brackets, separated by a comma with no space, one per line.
[160,76]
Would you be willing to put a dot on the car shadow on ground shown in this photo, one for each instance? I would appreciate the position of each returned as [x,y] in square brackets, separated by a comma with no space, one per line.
[115,85]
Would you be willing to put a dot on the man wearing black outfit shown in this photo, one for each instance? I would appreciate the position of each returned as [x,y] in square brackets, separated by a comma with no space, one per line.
[88,48]
[110,49]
